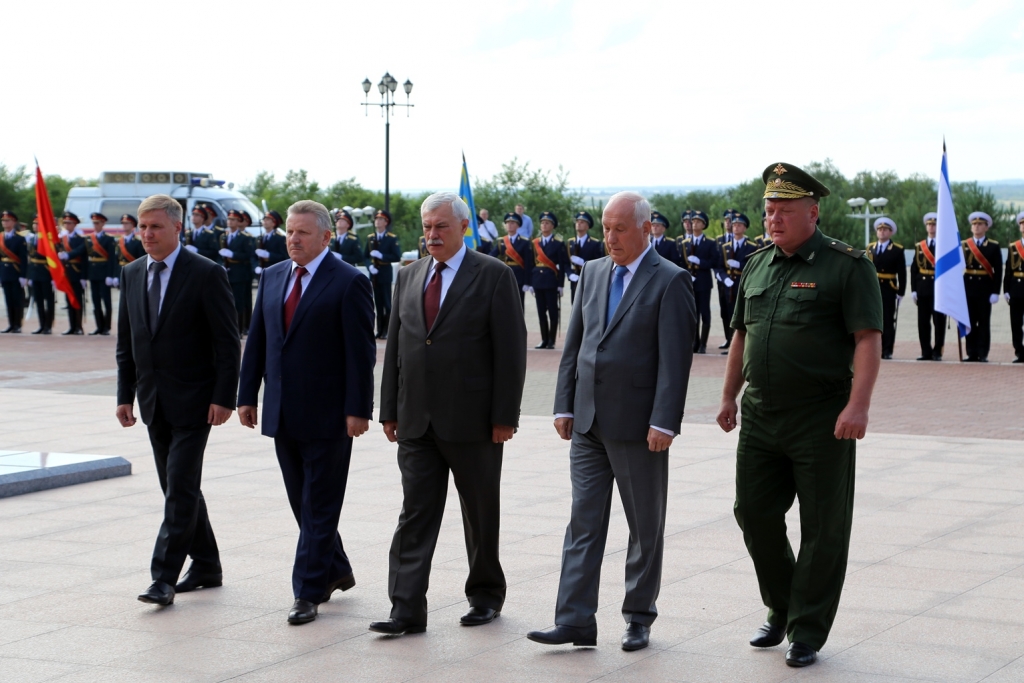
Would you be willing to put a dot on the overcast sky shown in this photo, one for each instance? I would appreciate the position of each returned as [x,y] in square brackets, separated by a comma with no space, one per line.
[624,93]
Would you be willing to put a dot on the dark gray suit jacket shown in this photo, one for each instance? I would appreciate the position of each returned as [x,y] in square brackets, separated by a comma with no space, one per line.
[467,373]
[633,374]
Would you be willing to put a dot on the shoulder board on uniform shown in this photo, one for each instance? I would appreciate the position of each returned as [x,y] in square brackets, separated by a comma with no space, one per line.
[24,233]
[390,234]
[350,236]
[572,240]
[843,248]
[993,242]
[558,238]
[761,249]
[872,245]
[897,245]
[280,232]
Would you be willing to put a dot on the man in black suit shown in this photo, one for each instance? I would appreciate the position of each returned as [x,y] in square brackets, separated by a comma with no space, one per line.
[305,305]
[699,254]
[453,381]
[174,300]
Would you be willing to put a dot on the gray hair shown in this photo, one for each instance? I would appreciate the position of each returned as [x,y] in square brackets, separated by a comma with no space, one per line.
[323,218]
[439,199]
[641,207]
[162,202]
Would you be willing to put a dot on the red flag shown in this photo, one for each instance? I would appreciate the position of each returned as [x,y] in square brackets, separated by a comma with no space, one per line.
[46,238]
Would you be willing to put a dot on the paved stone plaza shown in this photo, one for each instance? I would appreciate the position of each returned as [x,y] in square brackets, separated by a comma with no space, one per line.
[935,588]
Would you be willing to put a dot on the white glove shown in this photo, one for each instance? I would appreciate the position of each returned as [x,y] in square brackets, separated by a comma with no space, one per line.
[578,260]
[258,270]
[193,249]
[693,259]
[116,281]
[560,291]
[994,299]
[376,254]
[263,253]
[23,281]
[53,285]
[527,288]
[913,295]
[728,282]
[898,298]
[372,269]
[733,263]
[573,277]
[226,253]
[1007,295]
[108,281]
[63,256]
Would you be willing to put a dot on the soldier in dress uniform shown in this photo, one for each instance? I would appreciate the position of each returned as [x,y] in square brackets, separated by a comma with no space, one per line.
[726,226]
[551,262]
[272,245]
[13,270]
[41,283]
[205,237]
[983,278]
[765,240]
[699,255]
[422,250]
[891,266]
[687,219]
[665,246]
[72,251]
[346,244]
[922,290]
[382,249]
[102,263]
[129,246]
[733,257]
[581,248]
[1013,290]
[516,253]
[237,249]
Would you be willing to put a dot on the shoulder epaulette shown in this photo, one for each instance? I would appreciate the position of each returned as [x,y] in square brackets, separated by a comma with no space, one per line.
[24,233]
[993,242]
[846,249]
[872,245]
[350,236]
[762,248]
[280,232]
[897,245]
[558,238]
[390,234]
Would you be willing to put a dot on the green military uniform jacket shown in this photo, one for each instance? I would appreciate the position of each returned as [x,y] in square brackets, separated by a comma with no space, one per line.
[799,315]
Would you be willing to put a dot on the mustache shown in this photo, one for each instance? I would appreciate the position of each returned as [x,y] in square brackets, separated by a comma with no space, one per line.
[435,242]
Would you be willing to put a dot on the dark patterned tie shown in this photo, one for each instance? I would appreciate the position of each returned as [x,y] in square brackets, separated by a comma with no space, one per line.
[432,296]
[292,302]
[154,293]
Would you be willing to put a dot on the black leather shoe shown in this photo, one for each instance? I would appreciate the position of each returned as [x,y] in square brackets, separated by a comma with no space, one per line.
[560,635]
[925,358]
[477,616]
[886,356]
[48,331]
[395,627]
[971,359]
[39,331]
[636,637]
[105,333]
[10,328]
[724,346]
[551,345]
[799,655]
[768,635]
[983,359]
[343,584]
[159,593]
[1019,359]
[95,332]
[936,356]
[195,579]
[542,345]
[702,349]
[302,612]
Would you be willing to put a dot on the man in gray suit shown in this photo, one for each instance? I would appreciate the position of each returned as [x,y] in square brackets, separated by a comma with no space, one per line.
[453,379]
[620,396]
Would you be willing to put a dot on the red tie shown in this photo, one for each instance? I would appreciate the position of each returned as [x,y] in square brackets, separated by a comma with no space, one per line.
[432,296]
[292,302]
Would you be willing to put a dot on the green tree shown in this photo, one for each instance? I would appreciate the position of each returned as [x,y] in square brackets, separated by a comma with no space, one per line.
[536,190]
[18,191]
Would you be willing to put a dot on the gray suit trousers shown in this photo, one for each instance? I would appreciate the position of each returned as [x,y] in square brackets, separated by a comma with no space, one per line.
[642,477]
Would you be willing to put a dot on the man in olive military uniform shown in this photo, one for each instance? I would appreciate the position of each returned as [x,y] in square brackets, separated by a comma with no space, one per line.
[1013,290]
[41,283]
[13,270]
[272,245]
[382,249]
[237,250]
[807,343]
[102,263]
[983,278]
[205,237]
[891,270]
[731,260]
[551,262]
[581,248]
[922,290]
[72,251]
[516,253]
[699,254]
[665,246]
[346,245]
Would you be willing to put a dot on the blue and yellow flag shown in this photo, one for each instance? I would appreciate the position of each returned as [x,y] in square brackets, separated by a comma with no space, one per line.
[466,192]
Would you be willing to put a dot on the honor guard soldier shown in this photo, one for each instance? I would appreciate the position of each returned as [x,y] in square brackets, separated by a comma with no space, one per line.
[237,250]
[382,249]
[1013,290]
[41,283]
[983,278]
[102,263]
[687,219]
[551,261]
[699,255]
[76,267]
[516,253]
[204,238]
[581,248]
[922,290]
[272,245]
[733,257]
[422,249]
[808,320]
[346,243]
[129,246]
[723,291]
[13,270]
[726,226]
[891,269]
[665,246]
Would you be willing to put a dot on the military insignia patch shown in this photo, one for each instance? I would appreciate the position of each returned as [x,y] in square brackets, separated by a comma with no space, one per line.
[780,169]
[804,285]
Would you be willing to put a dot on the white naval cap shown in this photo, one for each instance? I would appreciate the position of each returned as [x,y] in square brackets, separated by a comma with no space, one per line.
[931,216]
[982,215]
[886,221]
[1020,216]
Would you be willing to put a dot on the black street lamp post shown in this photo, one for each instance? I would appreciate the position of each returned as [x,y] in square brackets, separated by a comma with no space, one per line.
[387,87]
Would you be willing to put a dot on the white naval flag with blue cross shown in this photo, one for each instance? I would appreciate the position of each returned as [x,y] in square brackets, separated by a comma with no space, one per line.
[950,295]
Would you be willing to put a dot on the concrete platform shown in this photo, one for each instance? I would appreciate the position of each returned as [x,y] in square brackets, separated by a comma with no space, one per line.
[28,472]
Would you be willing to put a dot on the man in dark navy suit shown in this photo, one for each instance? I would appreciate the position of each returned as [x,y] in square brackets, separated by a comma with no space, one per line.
[582,248]
[305,306]
[699,255]
[733,256]
[665,246]
[551,261]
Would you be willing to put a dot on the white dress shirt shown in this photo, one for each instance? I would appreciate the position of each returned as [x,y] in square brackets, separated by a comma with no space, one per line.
[448,274]
[881,247]
[487,231]
[165,274]
[310,270]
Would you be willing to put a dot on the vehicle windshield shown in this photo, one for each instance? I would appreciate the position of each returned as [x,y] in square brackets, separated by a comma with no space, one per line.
[242,205]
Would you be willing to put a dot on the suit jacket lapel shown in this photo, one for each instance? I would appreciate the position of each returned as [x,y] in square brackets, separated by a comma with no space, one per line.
[179,274]
[463,277]
[324,274]
[604,283]
[417,279]
[643,275]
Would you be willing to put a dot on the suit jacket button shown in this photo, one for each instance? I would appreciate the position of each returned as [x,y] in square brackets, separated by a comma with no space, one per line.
[597,381]
[428,342]
[600,348]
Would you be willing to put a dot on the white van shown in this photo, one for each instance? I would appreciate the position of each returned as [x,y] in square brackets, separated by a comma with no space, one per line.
[121,192]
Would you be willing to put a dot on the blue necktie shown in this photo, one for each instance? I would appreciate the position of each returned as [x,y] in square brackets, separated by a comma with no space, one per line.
[615,293]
